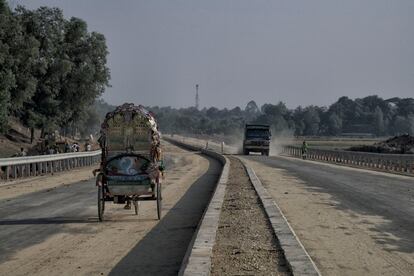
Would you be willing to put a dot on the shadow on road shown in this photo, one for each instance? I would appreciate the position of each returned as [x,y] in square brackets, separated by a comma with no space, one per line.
[41,221]
[161,251]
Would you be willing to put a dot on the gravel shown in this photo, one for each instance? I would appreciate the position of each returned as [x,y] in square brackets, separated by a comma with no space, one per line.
[245,242]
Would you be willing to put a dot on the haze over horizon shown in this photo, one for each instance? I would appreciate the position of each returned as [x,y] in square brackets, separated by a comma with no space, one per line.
[298,52]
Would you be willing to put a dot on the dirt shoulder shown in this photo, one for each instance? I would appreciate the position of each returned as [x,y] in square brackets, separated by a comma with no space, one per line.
[245,242]
[340,241]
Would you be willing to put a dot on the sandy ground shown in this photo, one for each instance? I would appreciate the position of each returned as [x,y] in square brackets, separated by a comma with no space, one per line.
[245,243]
[24,186]
[55,231]
[341,242]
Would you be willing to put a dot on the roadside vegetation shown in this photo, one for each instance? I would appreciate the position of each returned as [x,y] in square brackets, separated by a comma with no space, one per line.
[363,117]
[52,69]
[53,72]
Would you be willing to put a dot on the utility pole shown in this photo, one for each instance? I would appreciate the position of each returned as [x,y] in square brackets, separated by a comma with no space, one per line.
[197,99]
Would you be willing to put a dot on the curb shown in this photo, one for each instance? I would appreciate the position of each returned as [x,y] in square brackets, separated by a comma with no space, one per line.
[197,260]
[296,256]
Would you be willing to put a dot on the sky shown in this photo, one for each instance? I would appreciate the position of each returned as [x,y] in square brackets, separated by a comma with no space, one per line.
[301,52]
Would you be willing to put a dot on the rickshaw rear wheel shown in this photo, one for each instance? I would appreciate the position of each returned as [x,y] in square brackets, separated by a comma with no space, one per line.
[101,202]
[159,200]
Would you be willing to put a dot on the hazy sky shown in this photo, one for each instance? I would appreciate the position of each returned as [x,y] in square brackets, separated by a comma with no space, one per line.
[299,52]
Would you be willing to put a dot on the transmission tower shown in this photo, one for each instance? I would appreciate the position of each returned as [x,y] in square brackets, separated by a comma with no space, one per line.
[197,99]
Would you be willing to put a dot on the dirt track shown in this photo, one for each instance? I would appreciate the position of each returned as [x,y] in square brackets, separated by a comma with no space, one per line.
[54,231]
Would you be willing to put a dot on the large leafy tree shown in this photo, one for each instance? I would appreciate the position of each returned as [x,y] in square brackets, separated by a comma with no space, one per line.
[8,38]
[46,25]
[88,75]
[61,68]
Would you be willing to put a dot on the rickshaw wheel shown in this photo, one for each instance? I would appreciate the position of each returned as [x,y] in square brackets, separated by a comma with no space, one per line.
[159,199]
[136,206]
[101,202]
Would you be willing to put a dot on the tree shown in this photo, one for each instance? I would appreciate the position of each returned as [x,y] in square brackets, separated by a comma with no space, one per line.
[401,125]
[7,77]
[379,121]
[251,110]
[405,107]
[335,124]
[88,75]
[410,119]
[311,120]
[70,68]
[46,25]
[25,52]
[89,123]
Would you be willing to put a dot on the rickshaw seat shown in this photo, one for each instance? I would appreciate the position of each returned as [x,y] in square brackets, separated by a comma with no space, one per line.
[127,166]
[128,178]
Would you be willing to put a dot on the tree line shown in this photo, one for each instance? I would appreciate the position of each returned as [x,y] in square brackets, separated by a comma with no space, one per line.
[370,115]
[52,69]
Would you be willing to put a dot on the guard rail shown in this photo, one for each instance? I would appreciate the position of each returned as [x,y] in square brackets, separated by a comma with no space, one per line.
[400,163]
[19,167]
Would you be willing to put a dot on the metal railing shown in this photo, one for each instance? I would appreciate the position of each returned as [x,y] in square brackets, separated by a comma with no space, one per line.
[401,163]
[27,166]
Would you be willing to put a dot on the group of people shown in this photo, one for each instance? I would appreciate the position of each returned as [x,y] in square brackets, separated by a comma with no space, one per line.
[55,149]
[75,147]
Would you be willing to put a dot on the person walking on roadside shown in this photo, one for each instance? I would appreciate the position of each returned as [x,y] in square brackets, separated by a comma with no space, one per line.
[75,147]
[88,146]
[304,149]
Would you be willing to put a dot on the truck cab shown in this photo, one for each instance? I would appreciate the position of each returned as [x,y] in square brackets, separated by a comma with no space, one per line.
[256,139]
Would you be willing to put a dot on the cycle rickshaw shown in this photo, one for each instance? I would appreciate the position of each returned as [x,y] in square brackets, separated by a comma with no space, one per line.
[131,168]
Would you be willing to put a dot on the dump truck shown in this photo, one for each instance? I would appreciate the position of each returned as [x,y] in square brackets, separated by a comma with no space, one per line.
[256,139]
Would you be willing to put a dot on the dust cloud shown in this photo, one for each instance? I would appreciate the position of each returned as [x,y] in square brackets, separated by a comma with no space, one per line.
[280,139]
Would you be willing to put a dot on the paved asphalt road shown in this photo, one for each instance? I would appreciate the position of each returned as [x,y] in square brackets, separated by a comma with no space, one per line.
[370,193]
[55,231]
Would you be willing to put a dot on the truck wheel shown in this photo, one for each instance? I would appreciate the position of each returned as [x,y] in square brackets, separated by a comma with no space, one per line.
[267,153]
[246,152]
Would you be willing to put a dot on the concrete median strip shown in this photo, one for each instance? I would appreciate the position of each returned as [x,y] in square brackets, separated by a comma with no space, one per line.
[197,260]
[298,259]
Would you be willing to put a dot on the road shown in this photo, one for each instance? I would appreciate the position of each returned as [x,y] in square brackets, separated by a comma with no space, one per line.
[54,231]
[351,221]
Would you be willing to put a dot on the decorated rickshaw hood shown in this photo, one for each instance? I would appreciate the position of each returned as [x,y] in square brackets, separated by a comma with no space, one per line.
[128,110]
[129,126]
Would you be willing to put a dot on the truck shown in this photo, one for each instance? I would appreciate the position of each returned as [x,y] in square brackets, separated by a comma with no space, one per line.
[256,139]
